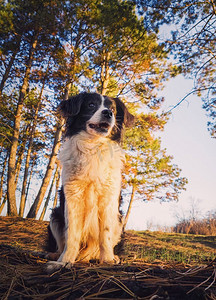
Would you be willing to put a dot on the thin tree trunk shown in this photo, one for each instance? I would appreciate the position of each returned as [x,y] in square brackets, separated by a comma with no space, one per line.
[28,155]
[66,92]
[129,206]
[22,200]
[10,64]
[19,162]
[11,186]
[49,195]
[104,75]
[29,179]
[57,189]
[3,203]
[38,200]
[2,175]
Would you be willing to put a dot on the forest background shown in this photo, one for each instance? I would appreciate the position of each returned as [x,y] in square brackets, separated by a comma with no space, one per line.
[50,50]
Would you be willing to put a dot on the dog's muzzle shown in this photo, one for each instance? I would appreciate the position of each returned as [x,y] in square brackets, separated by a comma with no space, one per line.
[105,124]
[107,114]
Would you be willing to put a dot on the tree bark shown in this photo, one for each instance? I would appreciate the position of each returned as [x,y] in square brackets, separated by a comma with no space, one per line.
[129,206]
[104,75]
[28,156]
[3,203]
[20,156]
[57,189]
[2,175]
[48,196]
[11,186]
[29,179]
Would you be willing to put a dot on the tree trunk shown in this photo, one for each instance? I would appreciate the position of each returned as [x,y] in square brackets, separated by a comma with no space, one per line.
[19,162]
[11,186]
[38,200]
[48,196]
[29,179]
[57,189]
[3,203]
[28,155]
[2,176]
[10,64]
[129,206]
[104,75]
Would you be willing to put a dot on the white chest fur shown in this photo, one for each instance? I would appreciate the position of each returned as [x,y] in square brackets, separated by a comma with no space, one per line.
[98,160]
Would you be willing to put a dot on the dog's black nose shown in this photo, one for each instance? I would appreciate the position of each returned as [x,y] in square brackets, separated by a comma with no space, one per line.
[107,113]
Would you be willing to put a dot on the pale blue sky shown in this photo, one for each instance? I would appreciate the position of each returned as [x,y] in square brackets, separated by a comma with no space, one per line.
[187,139]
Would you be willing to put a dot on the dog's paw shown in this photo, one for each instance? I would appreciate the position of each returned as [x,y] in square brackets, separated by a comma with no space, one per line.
[53,266]
[114,260]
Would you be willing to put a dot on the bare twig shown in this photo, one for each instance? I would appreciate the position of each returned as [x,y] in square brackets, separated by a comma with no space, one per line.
[185,97]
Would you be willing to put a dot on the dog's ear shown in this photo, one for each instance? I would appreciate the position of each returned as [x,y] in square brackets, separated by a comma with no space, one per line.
[71,107]
[122,114]
[123,117]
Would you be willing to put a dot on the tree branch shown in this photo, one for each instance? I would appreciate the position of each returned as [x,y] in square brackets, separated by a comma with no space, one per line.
[185,97]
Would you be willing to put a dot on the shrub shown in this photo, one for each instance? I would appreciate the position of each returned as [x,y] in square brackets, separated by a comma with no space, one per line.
[206,226]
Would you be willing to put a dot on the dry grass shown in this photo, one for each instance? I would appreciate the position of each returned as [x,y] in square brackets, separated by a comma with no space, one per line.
[23,275]
[206,226]
[169,248]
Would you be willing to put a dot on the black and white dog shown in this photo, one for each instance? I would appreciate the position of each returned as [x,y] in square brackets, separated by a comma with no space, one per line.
[87,225]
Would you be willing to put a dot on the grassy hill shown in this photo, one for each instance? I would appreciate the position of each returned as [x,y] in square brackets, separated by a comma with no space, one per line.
[165,265]
[170,247]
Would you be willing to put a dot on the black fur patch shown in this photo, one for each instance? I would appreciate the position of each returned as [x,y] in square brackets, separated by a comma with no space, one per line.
[123,117]
[51,245]
[58,217]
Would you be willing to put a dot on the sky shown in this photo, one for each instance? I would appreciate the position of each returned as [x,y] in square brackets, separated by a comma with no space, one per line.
[187,139]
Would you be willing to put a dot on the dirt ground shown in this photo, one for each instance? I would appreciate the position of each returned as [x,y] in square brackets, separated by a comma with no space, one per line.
[23,272]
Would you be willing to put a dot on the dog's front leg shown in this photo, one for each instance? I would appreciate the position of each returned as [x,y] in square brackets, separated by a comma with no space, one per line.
[110,232]
[74,211]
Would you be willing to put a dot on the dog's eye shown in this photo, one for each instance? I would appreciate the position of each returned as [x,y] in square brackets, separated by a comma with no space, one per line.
[91,105]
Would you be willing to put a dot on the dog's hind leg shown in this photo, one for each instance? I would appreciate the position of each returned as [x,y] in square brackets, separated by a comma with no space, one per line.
[56,235]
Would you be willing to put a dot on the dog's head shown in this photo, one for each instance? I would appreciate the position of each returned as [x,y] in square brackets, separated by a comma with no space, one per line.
[95,114]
